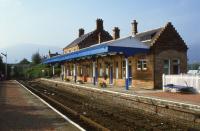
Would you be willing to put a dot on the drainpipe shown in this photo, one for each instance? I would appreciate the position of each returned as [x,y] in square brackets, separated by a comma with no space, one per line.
[127,73]
[94,73]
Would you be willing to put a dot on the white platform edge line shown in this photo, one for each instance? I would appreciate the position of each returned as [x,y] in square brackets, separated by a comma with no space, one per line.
[119,93]
[62,115]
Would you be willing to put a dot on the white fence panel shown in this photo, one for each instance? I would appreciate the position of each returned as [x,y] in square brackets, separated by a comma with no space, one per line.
[182,80]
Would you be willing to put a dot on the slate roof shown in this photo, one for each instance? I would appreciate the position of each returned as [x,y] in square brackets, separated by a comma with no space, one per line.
[148,36]
[85,36]
[79,39]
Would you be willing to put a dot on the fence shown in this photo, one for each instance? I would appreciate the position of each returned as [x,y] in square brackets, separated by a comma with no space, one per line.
[182,80]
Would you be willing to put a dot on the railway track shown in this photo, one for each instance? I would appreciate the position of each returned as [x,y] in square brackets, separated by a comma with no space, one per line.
[80,119]
[93,114]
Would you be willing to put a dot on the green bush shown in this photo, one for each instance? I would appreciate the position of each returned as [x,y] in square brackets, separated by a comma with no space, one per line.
[38,71]
[102,84]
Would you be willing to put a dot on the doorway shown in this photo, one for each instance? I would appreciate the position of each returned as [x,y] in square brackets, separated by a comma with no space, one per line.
[111,75]
[176,66]
[96,75]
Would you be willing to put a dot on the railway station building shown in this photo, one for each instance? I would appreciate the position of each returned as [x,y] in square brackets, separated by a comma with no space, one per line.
[135,61]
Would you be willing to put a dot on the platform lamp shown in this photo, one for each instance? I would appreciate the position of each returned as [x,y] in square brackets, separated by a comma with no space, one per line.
[5,55]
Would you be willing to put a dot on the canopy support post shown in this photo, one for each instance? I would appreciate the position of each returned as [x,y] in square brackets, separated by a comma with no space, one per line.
[127,73]
[75,76]
[94,72]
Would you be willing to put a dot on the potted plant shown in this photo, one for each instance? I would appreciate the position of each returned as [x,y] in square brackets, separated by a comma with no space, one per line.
[67,79]
[79,82]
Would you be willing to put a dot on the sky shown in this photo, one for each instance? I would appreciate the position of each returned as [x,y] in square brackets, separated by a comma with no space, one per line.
[56,22]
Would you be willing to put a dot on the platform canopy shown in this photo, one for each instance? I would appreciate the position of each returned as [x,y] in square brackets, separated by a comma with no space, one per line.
[128,46]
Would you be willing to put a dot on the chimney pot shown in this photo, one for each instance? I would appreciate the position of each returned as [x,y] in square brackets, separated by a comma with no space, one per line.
[116,33]
[81,32]
[99,24]
[134,27]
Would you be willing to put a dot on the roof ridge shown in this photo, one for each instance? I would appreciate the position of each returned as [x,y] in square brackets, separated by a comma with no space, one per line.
[149,30]
[157,36]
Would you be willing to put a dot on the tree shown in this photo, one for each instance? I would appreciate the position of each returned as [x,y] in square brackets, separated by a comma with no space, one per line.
[24,61]
[1,65]
[194,66]
[36,58]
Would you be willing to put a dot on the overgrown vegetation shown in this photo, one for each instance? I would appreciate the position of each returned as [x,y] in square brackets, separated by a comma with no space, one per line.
[35,69]
[42,70]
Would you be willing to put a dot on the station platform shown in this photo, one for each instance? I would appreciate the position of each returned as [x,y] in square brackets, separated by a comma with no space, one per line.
[20,110]
[193,99]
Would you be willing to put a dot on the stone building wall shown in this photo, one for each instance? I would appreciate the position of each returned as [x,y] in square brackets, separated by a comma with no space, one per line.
[140,79]
[169,45]
[168,55]
[71,49]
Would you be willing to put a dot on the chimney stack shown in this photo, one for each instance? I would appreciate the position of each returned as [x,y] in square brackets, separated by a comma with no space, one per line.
[99,38]
[116,33]
[134,27]
[99,24]
[81,32]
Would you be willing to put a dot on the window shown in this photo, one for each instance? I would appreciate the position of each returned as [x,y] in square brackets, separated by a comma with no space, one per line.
[176,62]
[107,71]
[81,71]
[100,70]
[142,64]
[166,67]
[71,71]
[117,71]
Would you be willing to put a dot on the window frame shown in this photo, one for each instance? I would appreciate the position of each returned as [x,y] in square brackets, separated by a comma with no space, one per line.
[140,64]
[169,66]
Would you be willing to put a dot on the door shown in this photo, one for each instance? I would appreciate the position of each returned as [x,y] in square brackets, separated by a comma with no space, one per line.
[176,66]
[129,75]
[111,74]
[175,69]
[96,75]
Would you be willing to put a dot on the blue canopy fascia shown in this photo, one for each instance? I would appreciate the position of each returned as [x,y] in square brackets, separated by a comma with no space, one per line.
[94,51]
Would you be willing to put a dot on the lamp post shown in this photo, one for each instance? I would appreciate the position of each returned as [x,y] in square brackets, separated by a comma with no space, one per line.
[5,55]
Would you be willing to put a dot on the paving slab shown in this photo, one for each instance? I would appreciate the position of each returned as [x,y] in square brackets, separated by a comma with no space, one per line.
[20,110]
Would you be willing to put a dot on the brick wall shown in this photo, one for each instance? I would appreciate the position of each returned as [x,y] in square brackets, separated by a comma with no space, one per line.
[171,46]
[171,55]
[140,79]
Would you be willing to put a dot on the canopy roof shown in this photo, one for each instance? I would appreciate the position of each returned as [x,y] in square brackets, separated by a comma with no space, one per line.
[128,46]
